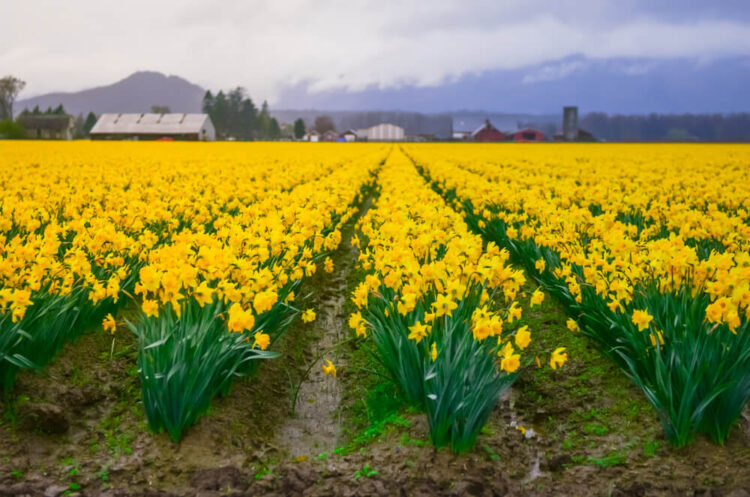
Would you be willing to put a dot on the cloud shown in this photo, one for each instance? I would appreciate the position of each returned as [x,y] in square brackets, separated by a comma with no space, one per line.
[551,72]
[351,45]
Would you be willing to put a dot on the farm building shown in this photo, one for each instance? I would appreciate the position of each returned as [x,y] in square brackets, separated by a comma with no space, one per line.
[329,136]
[528,135]
[47,127]
[487,133]
[580,136]
[348,136]
[386,132]
[195,127]
[570,130]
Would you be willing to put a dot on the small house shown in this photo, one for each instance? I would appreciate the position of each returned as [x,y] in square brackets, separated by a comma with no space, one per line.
[47,126]
[348,136]
[329,136]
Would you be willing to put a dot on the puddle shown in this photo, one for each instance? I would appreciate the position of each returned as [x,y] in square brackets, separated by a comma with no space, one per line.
[534,469]
[315,426]
[507,399]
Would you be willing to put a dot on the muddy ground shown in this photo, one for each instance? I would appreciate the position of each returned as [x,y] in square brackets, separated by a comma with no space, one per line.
[80,429]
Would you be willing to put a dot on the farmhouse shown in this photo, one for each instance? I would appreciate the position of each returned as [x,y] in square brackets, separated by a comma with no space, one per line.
[386,132]
[47,127]
[348,136]
[528,135]
[311,136]
[194,127]
[487,133]
[329,136]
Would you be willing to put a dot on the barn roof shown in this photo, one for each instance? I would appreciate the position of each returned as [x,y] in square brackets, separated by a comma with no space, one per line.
[51,122]
[486,125]
[150,124]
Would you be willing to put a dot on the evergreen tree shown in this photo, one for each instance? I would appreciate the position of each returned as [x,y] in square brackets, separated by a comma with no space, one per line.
[248,119]
[234,115]
[264,122]
[274,131]
[299,128]
[89,123]
[221,112]
[234,106]
[208,103]
[78,132]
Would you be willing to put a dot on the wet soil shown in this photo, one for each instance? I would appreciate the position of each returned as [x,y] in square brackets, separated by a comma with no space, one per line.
[314,426]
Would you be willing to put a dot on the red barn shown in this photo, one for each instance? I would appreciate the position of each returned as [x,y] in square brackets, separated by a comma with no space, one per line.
[487,133]
[528,135]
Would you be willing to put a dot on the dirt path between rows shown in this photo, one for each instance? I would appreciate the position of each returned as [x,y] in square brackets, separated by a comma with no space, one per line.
[315,425]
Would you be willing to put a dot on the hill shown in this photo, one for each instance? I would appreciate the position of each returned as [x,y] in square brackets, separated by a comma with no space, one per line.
[136,93]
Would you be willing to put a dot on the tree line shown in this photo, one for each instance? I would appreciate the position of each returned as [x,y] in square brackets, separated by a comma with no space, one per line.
[668,127]
[234,115]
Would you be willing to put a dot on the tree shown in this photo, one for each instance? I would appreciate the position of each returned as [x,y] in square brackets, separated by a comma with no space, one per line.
[264,121]
[323,124]
[88,124]
[248,119]
[234,115]
[59,110]
[274,131]
[160,109]
[221,112]
[299,128]
[208,103]
[12,130]
[10,87]
[78,132]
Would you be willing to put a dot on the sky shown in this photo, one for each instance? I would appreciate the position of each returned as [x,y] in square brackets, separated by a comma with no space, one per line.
[351,45]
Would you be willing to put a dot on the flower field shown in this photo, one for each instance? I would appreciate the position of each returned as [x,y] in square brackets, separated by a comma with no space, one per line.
[470,273]
[650,257]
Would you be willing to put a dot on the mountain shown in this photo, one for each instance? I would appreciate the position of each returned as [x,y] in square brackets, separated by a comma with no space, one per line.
[136,93]
[618,85]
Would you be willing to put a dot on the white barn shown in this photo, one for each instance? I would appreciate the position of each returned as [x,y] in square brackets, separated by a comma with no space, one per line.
[195,127]
[386,132]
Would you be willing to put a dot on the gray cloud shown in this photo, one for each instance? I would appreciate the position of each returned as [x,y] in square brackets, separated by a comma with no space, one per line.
[348,44]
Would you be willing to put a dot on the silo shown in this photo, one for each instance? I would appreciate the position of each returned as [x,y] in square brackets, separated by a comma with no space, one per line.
[570,123]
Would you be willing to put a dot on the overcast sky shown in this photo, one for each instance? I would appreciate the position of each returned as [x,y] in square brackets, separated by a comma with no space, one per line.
[265,45]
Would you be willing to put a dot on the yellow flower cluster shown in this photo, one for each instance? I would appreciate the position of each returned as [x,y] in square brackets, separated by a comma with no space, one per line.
[186,220]
[250,255]
[625,214]
[422,251]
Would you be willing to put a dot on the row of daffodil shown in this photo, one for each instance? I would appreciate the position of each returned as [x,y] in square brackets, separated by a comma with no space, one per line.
[77,221]
[214,300]
[440,309]
[647,247]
